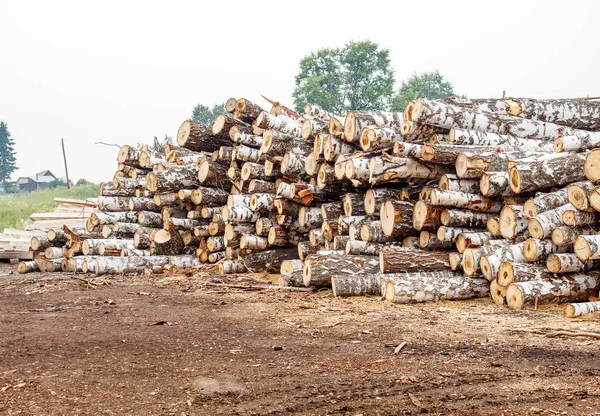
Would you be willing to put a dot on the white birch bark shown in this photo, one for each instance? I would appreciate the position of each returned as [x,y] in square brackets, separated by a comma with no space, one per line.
[541,225]
[581,114]
[282,124]
[490,262]
[573,310]
[356,121]
[464,200]
[512,221]
[451,182]
[587,247]
[569,263]
[433,287]
[387,168]
[570,288]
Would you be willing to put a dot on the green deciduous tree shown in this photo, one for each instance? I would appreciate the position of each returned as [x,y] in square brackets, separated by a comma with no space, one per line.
[431,85]
[355,77]
[207,115]
[7,155]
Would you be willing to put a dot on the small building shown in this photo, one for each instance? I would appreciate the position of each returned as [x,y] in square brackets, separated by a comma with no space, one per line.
[35,183]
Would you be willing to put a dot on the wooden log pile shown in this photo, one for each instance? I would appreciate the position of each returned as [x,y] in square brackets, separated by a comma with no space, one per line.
[451,199]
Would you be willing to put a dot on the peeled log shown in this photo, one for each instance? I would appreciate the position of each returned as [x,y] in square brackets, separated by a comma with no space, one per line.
[533,176]
[433,287]
[320,269]
[569,288]
[408,260]
[578,309]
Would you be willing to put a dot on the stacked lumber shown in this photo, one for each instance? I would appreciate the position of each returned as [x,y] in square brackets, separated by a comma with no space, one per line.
[450,199]
[15,244]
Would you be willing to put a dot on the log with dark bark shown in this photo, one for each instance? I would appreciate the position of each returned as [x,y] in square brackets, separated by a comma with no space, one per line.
[269,260]
[168,243]
[199,137]
[569,288]
[407,260]
[319,269]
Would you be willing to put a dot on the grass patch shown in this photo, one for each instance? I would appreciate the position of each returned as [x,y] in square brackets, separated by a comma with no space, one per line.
[17,207]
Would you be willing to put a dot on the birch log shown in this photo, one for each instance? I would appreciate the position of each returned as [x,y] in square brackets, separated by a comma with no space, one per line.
[407,260]
[433,287]
[569,288]
[541,225]
[320,269]
[578,309]
[569,263]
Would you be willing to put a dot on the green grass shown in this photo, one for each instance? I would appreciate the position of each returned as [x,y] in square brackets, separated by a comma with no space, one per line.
[17,207]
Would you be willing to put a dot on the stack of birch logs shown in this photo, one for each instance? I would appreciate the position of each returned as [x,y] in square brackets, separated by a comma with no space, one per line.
[451,199]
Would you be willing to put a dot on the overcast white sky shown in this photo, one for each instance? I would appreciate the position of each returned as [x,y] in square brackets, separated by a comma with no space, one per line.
[126,71]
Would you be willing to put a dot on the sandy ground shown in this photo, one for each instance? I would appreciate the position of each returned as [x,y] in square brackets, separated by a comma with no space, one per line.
[205,345]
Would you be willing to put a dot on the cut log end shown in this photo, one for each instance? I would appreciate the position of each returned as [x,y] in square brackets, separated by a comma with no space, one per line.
[514,180]
[591,168]
[582,249]
[514,297]
[350,127]
[535,228]
[498,293]
[184,132]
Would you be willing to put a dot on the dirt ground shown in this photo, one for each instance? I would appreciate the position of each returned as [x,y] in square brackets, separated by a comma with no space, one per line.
[203,345]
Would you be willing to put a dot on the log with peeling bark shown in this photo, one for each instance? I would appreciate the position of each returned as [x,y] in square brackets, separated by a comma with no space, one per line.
[319,269]
[533,176]
[269,260]
[393,213]
[543,202]
[230,267]
[433,287]
[587,247]
[541,225]
[573,310]
[568,288]
[407,260]
[576,218]
[389,169]
[535,250]
[280,123]
[521,272]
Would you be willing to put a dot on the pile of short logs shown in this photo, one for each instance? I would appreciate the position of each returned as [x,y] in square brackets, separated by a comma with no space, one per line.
[451,199]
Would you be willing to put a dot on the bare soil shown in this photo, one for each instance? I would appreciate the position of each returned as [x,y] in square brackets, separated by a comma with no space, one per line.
[209,345]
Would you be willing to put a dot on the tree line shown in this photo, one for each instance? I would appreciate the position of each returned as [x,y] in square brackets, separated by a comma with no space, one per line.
[357,76]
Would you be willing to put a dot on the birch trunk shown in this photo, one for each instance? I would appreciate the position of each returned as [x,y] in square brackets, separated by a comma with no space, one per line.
[578,309]
[209,196]
[497,292]
[582,140]
[230,267]
[427,217]
[429,241]
[569,263]
[570,288]
[280,123]
[455,260]
[464,218]
[521,272]
[168,243]
[535,250]
[345,285]
[305,249]
[412,150]
[407,260]
[451,234]
[433,287]
[128,155]
[173,180]
[473,202]
[541,225]
[508,143]
[199,137]
[319,269]
[490,262]
[533,176]
[269,260]
[117,265]
[393,213]
[576,218]
[387,168]
[579,193]
[543,202]
[581,114]
[471,240]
